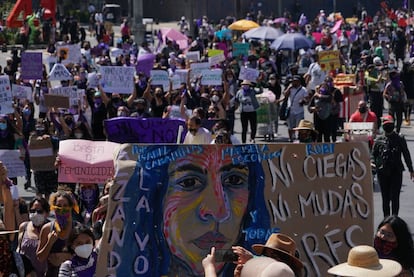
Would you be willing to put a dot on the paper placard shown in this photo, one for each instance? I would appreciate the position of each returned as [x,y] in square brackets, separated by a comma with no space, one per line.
[71,53]
[145,64]
[85,161]
[42,156]
[160,78]
[197,69]
[6,97]
[59,72]
[329,60]
[93,80]
[176,81]
[22,92]
[216,59]
[71,92]
[183,74]
[212,77]
[15,166]
[241,49]
[32,65]
[57,101]
[117,79]
[193,56]
[250,74]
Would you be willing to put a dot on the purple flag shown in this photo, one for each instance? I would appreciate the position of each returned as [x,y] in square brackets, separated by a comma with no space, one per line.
[145,63]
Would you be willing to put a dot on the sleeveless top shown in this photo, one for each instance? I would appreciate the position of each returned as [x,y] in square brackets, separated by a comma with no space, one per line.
[28,247]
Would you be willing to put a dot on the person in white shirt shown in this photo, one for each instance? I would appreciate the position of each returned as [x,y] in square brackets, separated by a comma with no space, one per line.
[196,134]
[315,75]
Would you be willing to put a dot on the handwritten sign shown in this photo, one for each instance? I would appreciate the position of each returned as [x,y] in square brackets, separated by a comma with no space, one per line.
[197,69]
[71,92]
[93,80]
[6,97]
[250,74]
[71,53]
[193,56]
[22,92]
[117,79]
[183,75]
[241,49]
[216,59]
[175,81]
[160,78]
[42,155]
[212,77]
[15,166]
[140,130]
[32,65]
[329,60]
[85,161]
[59,72]
[279,187]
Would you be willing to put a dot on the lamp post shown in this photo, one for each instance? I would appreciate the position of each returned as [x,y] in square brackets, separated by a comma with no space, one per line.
[138,29]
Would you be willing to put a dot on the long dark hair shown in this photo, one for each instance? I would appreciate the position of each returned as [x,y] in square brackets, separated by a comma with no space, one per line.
[404,253]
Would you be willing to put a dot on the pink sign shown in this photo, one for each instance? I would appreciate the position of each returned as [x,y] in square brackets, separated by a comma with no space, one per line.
[85,161]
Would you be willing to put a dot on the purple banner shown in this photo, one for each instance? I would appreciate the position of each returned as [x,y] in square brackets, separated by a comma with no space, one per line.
[145,63]
[32,66]
[143,130]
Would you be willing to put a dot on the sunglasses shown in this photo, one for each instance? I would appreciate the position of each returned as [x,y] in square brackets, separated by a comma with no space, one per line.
[32,211]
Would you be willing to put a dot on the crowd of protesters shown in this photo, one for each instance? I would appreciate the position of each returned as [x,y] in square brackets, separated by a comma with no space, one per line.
[378,49]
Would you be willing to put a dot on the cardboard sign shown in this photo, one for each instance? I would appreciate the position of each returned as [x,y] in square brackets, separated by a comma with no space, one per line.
[160,78]
[6,97]
[145,64]
[193,56]
[250,74]
[117,79]
[197,69]
[15,166]
[42,156]
[216,59]
[196,195]
[32,65]
[57,101]
[71,53]
[22,92]
[59,72]
[93,80]
[329,60]
[241,49]
[85,161]
[71,93]
[212,77]
[143,130]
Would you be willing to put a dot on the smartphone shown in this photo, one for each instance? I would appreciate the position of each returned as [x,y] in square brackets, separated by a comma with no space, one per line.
[225,255]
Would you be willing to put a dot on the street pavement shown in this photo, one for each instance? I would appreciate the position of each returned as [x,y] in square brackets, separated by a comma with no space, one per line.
[407,193]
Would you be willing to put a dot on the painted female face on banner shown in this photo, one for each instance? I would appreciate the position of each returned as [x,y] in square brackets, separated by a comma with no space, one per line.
[204,206]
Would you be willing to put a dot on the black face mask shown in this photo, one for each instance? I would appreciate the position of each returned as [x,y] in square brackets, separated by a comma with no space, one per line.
[362,109]
[388,128]
[69,121]
[193,131]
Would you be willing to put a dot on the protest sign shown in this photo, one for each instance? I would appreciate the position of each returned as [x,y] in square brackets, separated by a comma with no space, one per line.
[160,78]
[197,69]
[85,161]
[11,160]
[22,92]
[32,65]
[71,53]
[70,92]
[216,59]
[241,49]
[143,130]
[212,77]
[329,60]
[117,79]
[183,74]
[59,72]
[57,101]
[93,80]
[250,74]
[249,191]
[193,56]
[145,64]
[6,97]
[42,156]
[215,52]
[175,81]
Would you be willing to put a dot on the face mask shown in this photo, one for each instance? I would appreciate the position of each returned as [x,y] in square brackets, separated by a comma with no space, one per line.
[3,126]
[78,135]
[27,112]
[245,87]
[62,215]
[383,247]
[37,219]
[391,66]
[388,128]
[121,113]
[84,251]
[215,98]
[193,131]
[69,121]
[362,109]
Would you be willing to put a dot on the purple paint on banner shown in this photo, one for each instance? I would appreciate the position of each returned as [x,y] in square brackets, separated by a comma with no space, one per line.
[145,63]
[32,65]
[139,130]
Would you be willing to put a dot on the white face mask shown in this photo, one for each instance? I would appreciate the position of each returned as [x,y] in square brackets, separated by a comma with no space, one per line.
[37,219]
[84,251]
[215,98]
[78,135]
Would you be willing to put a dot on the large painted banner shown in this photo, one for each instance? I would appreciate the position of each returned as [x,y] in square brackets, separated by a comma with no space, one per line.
[139,130]
[170,204]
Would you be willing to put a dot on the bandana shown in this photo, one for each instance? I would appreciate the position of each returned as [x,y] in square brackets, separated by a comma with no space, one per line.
[85,267]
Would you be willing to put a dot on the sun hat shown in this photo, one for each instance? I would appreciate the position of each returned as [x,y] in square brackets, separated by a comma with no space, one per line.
[363,261]
[265,267]
[305,125]
[388,119]
[284,248]
[246,82]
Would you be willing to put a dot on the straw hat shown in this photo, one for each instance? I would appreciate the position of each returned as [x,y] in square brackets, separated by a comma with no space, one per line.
[284,247]
[363,261]
[305,125]
[265,267]
[246,82]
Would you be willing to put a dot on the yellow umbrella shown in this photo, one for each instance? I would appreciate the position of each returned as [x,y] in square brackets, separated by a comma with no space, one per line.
[243,25]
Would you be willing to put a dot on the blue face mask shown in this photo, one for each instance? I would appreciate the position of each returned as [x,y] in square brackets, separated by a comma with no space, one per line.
[3,126]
